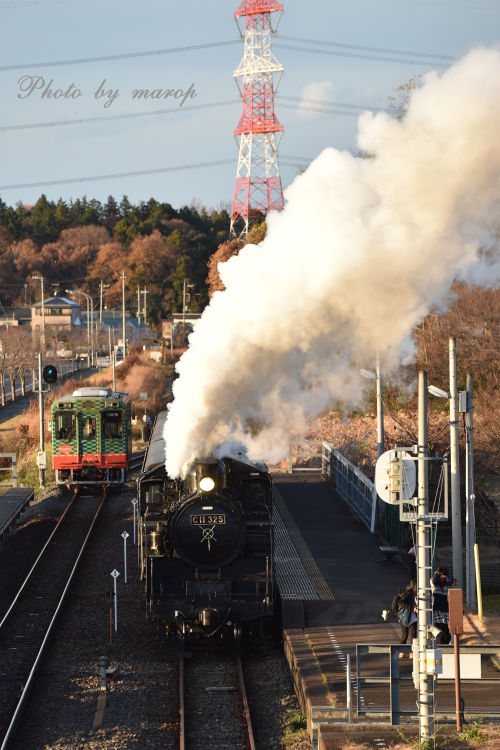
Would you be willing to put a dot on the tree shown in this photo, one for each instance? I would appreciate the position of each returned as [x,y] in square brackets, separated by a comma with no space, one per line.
[45,226]
[110,208]
[401,101]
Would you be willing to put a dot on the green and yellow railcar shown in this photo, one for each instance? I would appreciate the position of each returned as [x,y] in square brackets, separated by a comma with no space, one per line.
[91,437]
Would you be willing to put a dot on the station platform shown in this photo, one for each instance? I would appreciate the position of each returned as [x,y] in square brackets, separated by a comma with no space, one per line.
[13,501]
[332,568]
[333,589]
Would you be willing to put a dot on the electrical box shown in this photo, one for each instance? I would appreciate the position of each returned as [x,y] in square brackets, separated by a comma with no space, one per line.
[456,610]
[41,459]
[434,659]
[462,402]
[396,470]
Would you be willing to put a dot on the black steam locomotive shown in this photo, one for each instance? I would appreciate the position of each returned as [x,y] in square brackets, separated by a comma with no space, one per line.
[206,541]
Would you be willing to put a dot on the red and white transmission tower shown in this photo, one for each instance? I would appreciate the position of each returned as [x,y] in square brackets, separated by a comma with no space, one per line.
[258,183]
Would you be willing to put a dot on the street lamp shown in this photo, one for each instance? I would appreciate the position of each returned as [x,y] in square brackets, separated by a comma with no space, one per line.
[438,392]
[380,405]
[456,517]
[90,305]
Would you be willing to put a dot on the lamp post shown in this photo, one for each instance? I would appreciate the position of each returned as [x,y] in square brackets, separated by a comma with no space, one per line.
[380,404]
[456,518]
[123,317]
[380,427]
[90,331]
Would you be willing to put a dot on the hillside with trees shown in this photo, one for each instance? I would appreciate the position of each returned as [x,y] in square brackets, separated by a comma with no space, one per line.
[83,241]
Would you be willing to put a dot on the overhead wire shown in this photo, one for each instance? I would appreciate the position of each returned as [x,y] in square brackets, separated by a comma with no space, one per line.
[194,107]
[295,159]
[366,49]
[360,57]
[209,45]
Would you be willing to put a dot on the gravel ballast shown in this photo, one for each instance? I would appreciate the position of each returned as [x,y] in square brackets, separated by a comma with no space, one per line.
[142,707]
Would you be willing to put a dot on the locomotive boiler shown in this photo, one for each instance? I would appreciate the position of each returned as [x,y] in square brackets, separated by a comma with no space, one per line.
[206,540]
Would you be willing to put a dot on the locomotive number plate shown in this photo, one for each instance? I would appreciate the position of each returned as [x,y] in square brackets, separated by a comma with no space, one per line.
[208,520]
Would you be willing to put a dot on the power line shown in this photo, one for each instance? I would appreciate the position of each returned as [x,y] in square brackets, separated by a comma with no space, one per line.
[171,50]
[161,170]
[361,57]
[171,110]
[104,58]
[117,117]
[366,49]
[332,104]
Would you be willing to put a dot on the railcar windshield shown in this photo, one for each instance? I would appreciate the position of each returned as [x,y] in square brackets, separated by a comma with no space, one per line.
[65,425]
[112,422]
[88,428]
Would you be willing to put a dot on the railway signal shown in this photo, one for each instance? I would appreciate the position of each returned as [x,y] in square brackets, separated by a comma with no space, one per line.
[125,536]
[50,374]
[115,575]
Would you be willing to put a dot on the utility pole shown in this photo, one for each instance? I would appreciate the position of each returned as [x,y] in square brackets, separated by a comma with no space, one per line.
[145,293]
[380,410]
[40,409]
[139,305]
[113,358]
[425,681]
[456,518]
[100,304]
[123,316]
[184,308]
[109,340]
[40,278]
[470,531]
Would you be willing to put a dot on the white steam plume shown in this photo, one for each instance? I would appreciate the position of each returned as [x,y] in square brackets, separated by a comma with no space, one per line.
[361,252]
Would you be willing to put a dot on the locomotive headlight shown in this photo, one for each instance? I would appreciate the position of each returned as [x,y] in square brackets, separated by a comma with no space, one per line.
[207,484]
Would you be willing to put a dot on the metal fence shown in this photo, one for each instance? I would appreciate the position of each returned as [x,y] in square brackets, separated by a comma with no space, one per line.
[394,679]
[351,484]
[12,468]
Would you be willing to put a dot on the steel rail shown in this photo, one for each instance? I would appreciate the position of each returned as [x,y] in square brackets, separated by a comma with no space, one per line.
[182,710]
[246,708]
[9,735]
[137,460]
[16,599]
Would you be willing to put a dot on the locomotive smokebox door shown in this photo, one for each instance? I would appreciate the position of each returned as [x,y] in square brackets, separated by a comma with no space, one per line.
[209,618]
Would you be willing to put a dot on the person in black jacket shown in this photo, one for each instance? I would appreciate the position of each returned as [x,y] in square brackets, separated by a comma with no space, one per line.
[440,583]
[407,613]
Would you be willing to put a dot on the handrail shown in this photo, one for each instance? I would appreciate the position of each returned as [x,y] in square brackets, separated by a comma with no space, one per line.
[351,484]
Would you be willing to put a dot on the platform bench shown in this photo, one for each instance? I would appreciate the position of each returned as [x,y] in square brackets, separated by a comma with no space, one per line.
[389,553]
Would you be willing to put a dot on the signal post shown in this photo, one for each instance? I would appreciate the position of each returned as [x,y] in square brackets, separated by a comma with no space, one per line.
[49,376]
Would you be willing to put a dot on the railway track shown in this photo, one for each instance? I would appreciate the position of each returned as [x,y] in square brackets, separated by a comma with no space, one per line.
[29,623]
[136,461]
[221,706]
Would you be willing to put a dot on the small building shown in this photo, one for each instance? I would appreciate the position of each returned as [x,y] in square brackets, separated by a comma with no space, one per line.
[59,311]
[15,316]
[190,319]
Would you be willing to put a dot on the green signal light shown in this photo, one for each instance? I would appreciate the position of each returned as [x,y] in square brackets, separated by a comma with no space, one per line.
[50,374]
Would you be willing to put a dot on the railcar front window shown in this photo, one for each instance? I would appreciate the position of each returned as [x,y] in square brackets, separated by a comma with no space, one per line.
[88,428]
[154,494]
[65,426]
[112,424]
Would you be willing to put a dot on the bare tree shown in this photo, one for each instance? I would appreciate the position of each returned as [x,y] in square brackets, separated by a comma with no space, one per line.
[27,358]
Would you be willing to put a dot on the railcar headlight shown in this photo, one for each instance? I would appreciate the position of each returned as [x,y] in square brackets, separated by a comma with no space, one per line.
[207,484]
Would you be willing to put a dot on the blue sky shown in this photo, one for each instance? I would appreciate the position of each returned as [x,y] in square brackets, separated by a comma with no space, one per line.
[52,30]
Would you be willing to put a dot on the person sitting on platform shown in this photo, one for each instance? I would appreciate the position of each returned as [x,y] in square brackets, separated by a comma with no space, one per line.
[441,581]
